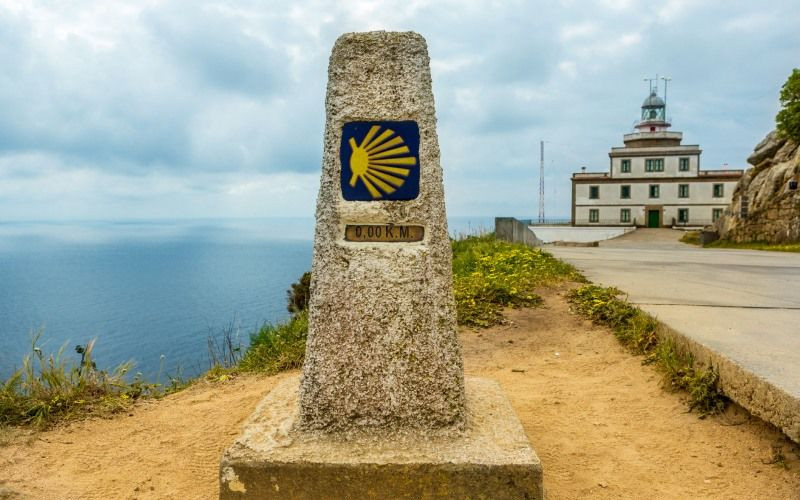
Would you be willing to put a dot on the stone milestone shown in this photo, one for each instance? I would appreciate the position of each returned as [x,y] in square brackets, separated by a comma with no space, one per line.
[382,346]
[383,409]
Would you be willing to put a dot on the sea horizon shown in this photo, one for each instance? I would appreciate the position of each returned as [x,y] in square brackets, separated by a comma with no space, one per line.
[151,291]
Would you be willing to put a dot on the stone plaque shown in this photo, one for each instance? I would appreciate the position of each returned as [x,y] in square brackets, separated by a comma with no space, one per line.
[388,233]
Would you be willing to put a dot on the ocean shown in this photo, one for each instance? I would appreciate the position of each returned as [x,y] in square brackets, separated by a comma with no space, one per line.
[150,292]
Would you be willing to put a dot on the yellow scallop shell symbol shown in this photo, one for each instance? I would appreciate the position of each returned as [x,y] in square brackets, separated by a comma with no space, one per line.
[381,161]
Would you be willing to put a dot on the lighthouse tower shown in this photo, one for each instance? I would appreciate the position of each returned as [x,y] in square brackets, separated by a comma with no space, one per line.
[654,179]
[654,114]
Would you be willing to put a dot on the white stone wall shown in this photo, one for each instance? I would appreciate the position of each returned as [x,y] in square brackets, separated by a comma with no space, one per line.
[671,166]
[700,202]
[549,234]
[700,191]
[609,216]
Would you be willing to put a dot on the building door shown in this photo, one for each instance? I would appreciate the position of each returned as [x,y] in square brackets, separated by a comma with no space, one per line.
[654,218]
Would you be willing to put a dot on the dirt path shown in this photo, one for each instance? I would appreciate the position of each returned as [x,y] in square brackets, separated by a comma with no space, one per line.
[597,418]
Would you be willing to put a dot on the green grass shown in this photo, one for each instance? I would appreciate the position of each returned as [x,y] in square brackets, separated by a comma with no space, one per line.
[275,348]
[639,332]
[756,245]
[489,275]
[693,238]
[51,388]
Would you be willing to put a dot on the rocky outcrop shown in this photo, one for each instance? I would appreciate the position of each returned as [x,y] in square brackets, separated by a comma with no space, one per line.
[766,202]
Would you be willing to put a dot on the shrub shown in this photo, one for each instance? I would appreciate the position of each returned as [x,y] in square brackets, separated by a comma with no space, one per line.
[299,294]
[788,118]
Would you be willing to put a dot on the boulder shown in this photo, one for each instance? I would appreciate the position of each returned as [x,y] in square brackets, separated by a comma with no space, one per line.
[772,212]
[766,148]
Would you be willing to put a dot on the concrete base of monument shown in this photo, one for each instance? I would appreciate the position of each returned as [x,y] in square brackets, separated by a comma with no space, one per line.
[490,458]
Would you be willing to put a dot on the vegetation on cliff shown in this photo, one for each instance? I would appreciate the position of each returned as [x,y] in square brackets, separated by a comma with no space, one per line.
[49,388]
[788,118]
[275,348]
[764,212]
[488,275]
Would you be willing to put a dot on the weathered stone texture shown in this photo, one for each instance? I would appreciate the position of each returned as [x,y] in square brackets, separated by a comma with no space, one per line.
[382,345]
[489,459]
[773,210]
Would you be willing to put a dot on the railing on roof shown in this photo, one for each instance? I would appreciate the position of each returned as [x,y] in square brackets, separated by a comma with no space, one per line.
[692,222]
[590,175]
[661,134]
[605,222]
[702,173]
[547,222]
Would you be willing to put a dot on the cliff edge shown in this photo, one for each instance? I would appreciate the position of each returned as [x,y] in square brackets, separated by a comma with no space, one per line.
[766,202]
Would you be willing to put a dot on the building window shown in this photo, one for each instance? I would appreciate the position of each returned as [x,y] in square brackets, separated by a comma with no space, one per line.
[594,215]
[719,190]
[654,165]
[625,215]
[683,190]
[683,164]
[626,167]
[716,214]
[625,192]
[683,215]
[654,191]
[594,192]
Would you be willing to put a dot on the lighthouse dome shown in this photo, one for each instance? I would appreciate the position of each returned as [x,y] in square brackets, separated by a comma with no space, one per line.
[653,101]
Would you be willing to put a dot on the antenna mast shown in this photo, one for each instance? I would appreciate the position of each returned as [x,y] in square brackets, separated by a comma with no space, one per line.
[666,81]
[541,182]
[650,81]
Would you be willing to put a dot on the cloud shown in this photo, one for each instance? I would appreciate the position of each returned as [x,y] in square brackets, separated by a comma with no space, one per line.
[200,108]
[217,48]
[573,31]
[40,187]
[672,10]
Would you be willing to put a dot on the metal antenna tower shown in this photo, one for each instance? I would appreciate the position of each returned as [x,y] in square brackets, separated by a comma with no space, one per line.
[541,182]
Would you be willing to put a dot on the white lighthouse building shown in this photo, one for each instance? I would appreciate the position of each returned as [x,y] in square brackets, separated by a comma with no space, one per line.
[653,180]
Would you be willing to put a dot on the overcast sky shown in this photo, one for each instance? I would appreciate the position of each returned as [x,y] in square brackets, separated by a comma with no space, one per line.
[182,109]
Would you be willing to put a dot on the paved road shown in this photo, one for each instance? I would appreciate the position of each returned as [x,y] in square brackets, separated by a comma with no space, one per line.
[744,304]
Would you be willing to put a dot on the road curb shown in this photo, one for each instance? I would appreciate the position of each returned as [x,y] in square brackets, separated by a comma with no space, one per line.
[755,394]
